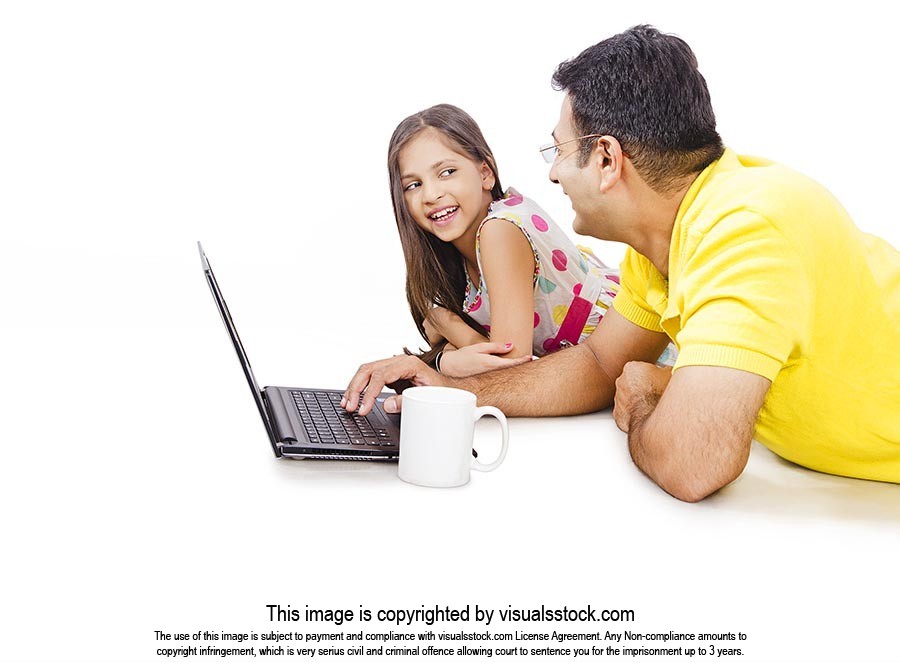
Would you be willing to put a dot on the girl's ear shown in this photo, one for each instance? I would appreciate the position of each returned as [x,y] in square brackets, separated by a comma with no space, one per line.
[487,176]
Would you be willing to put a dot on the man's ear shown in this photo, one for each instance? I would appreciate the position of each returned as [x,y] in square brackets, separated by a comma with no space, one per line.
[487,176]
[609,160]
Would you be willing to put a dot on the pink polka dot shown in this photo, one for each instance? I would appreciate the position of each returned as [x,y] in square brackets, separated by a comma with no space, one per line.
[487,327]
[539,223]
[513,200]
[613,278]
[475,305]
[537,319]
[560,260]
[549,344]
[577,289]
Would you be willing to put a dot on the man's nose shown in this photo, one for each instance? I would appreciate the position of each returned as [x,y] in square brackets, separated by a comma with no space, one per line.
[552,174]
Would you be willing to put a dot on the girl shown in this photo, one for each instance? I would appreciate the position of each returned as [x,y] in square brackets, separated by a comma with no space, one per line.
[483,264]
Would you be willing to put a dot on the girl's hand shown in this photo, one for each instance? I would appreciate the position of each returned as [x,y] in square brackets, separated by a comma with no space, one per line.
[478,358]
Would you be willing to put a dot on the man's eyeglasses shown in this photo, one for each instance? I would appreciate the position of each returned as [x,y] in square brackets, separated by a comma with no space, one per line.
[550,152]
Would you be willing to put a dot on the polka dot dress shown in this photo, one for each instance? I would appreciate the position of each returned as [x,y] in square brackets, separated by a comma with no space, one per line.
[572,288]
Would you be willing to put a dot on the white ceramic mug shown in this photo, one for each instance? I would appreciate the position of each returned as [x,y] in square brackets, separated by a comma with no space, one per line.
[437,429]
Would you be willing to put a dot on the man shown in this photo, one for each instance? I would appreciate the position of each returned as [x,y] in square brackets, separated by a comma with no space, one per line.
[786,316]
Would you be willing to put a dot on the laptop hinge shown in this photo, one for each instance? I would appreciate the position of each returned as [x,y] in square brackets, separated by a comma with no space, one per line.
[281,421]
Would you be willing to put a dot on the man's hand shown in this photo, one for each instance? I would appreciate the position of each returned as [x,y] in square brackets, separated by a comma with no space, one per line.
[638,390]
[475,359]
[371,378]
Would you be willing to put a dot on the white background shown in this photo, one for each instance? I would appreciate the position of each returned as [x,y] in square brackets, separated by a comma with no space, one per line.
[137,489]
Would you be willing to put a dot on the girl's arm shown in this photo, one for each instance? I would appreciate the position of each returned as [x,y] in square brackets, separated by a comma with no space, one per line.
[507,264]
[441,323]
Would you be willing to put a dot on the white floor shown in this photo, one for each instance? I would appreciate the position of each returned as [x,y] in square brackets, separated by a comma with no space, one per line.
[134,504]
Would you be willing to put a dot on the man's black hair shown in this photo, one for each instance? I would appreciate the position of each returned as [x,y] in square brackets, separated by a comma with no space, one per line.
[643,88]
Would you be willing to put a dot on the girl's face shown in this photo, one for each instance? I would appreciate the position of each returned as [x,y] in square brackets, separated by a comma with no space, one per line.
[446,192]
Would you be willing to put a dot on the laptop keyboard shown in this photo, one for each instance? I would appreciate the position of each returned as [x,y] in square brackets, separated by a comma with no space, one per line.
[326,422]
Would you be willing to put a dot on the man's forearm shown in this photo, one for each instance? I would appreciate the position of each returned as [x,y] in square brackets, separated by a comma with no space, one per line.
[646,443]
[687,443]
[565,383]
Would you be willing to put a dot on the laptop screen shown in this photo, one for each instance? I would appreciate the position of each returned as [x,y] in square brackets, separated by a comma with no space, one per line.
[239,348]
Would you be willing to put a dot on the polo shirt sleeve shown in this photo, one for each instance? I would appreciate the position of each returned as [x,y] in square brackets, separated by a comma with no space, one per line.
[743,297]
[631,302]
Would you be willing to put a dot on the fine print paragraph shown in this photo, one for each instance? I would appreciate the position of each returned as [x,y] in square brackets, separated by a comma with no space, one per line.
[441,631]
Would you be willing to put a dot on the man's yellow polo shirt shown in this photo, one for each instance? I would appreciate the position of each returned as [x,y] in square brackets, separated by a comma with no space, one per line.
[768,274]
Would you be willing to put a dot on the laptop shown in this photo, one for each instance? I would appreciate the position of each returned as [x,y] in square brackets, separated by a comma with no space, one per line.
[309,423]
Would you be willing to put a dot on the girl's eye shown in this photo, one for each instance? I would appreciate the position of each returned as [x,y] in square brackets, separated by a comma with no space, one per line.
[409,187]
[446,172]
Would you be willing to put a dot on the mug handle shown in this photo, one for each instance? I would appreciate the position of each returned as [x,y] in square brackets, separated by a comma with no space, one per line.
[501,418]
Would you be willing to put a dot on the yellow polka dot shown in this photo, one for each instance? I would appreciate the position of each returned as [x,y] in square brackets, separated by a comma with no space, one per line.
[559,314]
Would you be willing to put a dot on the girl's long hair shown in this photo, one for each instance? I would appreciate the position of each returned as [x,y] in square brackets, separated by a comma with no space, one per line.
[435,272]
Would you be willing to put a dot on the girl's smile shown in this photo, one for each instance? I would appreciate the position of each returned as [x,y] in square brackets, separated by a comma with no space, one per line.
[444,215]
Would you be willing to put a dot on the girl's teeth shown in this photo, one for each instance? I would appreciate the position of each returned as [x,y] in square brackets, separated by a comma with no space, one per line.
[443,213]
